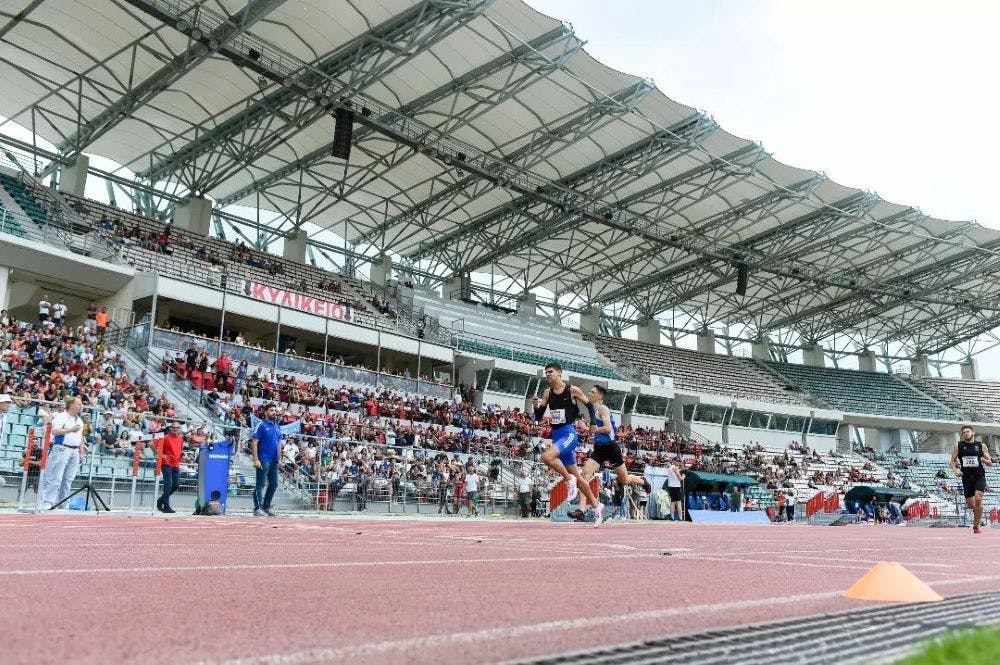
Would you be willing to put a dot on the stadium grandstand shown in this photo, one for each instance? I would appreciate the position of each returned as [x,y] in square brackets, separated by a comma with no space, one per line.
[388,217]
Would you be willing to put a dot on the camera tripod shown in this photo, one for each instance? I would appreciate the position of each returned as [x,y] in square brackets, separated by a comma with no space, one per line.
[92,495]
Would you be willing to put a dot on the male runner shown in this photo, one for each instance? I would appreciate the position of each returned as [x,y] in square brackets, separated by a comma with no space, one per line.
[968,458]
[606,448]
[561,401]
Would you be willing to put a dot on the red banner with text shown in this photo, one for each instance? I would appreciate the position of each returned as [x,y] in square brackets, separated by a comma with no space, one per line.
[299,301]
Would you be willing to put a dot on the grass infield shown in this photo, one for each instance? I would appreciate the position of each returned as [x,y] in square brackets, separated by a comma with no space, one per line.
[967,647]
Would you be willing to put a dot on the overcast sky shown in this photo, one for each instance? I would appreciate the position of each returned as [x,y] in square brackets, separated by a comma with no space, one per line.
[900,98]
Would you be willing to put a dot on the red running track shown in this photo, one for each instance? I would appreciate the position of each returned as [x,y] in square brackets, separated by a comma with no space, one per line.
[112,589]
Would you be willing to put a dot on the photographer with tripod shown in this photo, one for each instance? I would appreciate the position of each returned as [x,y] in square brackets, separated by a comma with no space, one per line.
[68,450]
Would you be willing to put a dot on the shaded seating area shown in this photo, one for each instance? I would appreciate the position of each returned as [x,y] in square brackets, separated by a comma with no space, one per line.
[864,392]
[694,371]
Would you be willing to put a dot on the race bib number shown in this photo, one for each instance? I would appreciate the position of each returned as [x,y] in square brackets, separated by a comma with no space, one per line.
[558,416]
[971,461]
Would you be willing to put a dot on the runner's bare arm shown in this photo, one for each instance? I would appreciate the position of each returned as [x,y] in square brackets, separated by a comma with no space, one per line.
[954,460]
[579,396]
[987,458]
[540,404]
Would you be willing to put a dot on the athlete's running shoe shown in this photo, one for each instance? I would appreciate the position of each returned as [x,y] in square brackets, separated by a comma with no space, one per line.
[573,491]
[976,529]
[576,515]
[599,515]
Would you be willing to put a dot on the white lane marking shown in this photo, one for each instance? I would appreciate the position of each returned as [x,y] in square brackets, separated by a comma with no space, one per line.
[801,564]
[341,654]
[339,564]
[966,580]
[782,555]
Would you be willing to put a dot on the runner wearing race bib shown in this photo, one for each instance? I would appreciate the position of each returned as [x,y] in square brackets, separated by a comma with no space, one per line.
[560,400]
[969,459]
[606,449]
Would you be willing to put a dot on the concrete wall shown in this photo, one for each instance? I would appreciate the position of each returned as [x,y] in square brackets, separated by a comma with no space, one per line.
[708,430]
[294,246]
[505,400]
[706,342]
[742,436]
[639,420]
[73,178]
[194,215]
[821,442]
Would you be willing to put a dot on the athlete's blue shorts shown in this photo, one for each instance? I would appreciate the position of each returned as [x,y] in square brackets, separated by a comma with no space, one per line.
[565,439]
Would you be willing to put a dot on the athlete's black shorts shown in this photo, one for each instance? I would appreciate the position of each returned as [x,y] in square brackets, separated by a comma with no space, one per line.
[674,493]
[972,484]
[608,453]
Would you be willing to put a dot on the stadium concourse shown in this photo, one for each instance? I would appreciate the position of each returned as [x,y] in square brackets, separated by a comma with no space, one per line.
[386,218]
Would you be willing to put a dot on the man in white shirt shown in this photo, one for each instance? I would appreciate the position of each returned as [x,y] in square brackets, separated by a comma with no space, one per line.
[59,313]
[65,455]
[675,478]
[524,493]
[471,489]
[790,500]
[44,307]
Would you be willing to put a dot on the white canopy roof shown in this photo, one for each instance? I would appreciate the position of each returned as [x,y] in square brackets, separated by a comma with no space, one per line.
[487,137]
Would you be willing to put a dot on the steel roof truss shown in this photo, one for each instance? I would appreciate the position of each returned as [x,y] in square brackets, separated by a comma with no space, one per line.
[525,56]
[134,96]
[571,128]
[348,70]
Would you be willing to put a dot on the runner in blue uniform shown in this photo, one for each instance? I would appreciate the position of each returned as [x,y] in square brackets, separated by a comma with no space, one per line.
[606,449]
[561,399]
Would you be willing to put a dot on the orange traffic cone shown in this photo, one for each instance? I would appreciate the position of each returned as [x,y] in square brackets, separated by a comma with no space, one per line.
[891,582]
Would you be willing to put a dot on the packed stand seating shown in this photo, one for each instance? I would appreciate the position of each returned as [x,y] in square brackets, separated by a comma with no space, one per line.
[395,419]
[864,392]
[979,400]
[498,333]
[232,388]
[153,245]
[245,364]
[39,362]
[699,372]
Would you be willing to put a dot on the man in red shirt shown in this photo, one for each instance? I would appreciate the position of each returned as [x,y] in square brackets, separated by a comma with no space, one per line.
[172,445]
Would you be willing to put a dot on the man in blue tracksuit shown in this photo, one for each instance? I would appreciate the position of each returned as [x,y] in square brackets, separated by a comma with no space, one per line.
[266,446]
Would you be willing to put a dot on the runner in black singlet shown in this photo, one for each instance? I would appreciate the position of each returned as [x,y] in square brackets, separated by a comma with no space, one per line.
[969,459]
[560,400]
